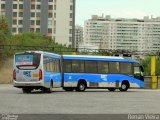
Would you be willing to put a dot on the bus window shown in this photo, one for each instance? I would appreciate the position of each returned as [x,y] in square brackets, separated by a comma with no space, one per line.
[102,67]
[113,67]
[67,66]
[125,68]
[27,61]
[77,66]
[90,66]
[56,65]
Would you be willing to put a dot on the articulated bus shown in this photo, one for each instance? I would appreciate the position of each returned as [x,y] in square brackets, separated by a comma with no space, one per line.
[43,70]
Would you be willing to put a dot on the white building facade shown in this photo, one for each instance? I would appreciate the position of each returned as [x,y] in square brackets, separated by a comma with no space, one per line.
[123,34]
[78,36]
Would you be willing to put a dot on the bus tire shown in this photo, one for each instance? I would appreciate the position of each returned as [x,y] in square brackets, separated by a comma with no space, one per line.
[112,89]
[68,88]
[81,86]
[26,90]
[124,86]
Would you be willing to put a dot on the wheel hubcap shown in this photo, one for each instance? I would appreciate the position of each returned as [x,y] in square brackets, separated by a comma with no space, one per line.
[81,87]
[124,86]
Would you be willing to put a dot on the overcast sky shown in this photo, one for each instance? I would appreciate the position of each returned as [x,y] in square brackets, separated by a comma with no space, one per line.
[116,8]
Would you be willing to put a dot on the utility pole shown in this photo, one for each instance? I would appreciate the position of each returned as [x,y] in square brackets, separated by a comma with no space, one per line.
[153,72]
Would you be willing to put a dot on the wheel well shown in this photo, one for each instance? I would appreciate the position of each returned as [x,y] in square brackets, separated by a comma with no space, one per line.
[84,81]
[126,82]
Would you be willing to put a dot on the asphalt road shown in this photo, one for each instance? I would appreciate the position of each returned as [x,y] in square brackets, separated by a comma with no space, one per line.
[136,101]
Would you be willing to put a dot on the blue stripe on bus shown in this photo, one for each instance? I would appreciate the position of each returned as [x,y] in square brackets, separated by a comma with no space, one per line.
[75,77]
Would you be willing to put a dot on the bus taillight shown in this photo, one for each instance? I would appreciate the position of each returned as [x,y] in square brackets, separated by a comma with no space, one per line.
[40,74]
[14,74]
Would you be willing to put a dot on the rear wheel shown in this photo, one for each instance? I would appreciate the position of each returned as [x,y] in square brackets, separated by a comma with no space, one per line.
[26,90]
[124,87]
[68,88]
[111,89]
[81,86]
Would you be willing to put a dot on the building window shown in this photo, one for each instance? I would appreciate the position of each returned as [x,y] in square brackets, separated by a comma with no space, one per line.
[70,31]
[21,6]
[70,23]
[37,22]
[70,39]
[3,6]
[14,22]
[38,14]
[71,7]
[50,30]
[50,7]
[70,15]
[38,0]
[37,29]
[54,23]
[50,0]
[54,7]
[50,15]
[32,14]
[14,14]
[54,15]
[32,6]
[14,6]
[20,22]
[14,30]
[38,7]
[32,22]
[20,14]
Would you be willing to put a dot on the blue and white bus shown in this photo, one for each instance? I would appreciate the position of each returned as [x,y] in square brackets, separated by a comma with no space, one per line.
[43,70]
[37,70]
[81,72]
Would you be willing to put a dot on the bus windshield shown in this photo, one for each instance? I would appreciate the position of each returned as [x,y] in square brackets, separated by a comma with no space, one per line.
[27,61]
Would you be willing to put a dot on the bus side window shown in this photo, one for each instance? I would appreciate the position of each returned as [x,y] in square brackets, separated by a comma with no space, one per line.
[102,67]
[126,68]
[77,66]
[67,66]
[90,66]
[113,67]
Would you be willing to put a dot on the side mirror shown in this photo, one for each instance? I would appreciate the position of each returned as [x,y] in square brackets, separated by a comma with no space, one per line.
[141,68]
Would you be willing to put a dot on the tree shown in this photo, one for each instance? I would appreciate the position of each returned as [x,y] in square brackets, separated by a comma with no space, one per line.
[4,29]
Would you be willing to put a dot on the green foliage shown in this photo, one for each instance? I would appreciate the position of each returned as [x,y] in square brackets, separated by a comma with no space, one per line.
[146,63]
[4,29]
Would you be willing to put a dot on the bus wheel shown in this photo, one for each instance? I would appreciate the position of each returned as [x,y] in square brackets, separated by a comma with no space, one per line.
[68,88]
[124,86]
[26,90]
[81,86]
[112,89]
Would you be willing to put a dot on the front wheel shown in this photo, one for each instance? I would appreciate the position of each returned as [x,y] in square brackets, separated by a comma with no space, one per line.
[81,86]
[124,87]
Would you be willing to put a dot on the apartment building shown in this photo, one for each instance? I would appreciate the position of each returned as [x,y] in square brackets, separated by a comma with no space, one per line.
[53,18]
[78,36]
[123,34]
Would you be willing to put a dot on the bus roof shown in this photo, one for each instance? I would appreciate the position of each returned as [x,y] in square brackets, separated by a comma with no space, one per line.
[44,53]
[100,58]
